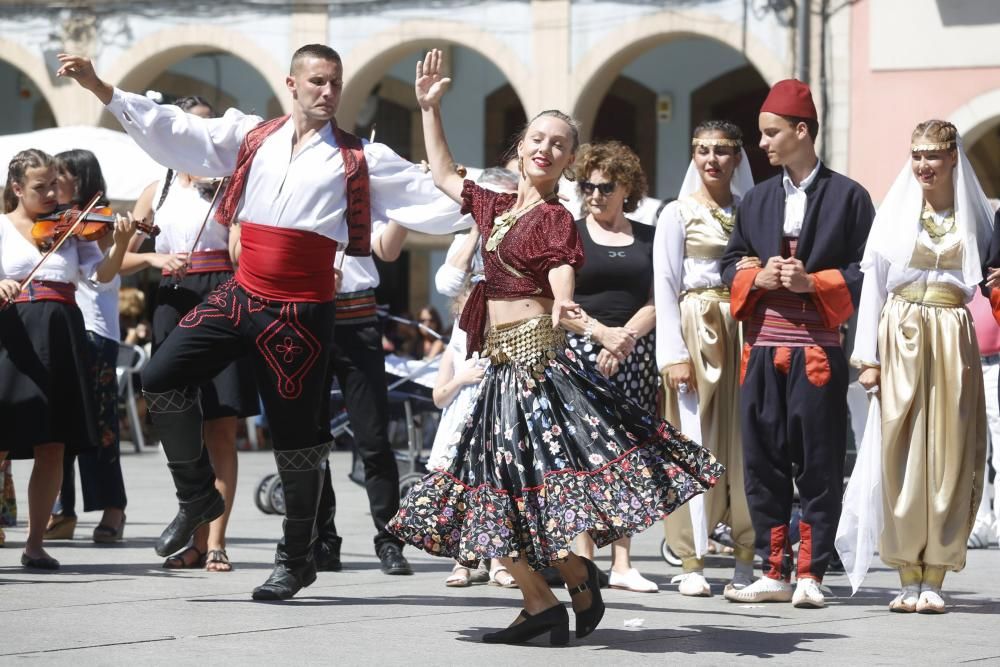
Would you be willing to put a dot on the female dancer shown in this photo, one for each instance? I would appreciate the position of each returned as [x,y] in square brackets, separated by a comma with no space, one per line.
[79,179]
[46,402]
[917,343]
[550,449]
[614,287]
[698,343]
[181,205]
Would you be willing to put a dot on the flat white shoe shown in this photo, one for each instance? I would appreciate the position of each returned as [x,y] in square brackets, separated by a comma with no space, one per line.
[739,582]
[632,581]
[930,602]
[764,589]
[808,595]
[693,584]
[906,601]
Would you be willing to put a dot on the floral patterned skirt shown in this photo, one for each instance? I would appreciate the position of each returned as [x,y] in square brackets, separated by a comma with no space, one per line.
[550,450]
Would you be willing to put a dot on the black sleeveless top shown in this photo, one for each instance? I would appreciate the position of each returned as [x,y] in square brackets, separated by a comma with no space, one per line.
[615,282]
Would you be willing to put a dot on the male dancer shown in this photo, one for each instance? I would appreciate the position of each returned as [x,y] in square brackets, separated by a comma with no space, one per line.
[300,186]
[358,363]
[808,227]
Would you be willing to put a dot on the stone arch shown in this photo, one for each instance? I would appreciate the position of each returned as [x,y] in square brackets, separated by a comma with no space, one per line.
[366,64]
[596,71]
[977,116]
[155,53]
[33,67]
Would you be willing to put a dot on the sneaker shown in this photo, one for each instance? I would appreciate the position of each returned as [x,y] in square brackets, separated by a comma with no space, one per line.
[808,595]
[981,535]
[906,601]
[764,589]
[632,581]
[693,584]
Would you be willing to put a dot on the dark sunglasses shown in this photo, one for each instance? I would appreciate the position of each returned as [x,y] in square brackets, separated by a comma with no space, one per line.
[586,187]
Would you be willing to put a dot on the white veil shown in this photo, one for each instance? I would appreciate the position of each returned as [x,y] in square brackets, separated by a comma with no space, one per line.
[741,183]
[896,226]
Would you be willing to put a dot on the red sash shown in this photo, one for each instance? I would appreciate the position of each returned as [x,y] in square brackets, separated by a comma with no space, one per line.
[359,214]
[281,264]
[47,290]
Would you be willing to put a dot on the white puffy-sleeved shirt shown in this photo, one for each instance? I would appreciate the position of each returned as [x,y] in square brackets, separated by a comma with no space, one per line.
[360,273]
[180,218]
[927,266]
[304,191]
[450,280]
[675,272]
[74,261]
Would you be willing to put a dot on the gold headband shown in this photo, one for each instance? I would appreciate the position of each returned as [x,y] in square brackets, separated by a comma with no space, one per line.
[940,146]
[730,143]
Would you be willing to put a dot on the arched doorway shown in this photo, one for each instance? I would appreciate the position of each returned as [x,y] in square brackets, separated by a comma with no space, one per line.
[984,154]
[628,114]
[736,96]
[22,105]
[222,78]
[661,88]
[504,119]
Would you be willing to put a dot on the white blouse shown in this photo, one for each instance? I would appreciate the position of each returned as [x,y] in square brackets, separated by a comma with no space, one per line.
[99,304]
[885,278]
[304,191]
[180,218]
[673,274]
[76,259]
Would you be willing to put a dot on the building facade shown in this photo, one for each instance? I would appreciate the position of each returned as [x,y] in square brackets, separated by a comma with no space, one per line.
[641,71]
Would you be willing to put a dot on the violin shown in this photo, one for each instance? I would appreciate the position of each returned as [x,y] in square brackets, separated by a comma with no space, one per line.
[50,228]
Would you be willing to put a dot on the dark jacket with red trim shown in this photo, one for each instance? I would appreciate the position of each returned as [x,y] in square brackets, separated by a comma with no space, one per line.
[992,261]
[838,217]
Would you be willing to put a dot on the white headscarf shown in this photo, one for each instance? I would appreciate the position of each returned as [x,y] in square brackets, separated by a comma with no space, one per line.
[741,183]
[897,222]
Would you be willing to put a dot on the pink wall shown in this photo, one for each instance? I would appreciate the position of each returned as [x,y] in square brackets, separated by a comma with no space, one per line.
[887,105]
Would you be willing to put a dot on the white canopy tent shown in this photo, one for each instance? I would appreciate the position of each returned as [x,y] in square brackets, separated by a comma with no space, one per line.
[127,170]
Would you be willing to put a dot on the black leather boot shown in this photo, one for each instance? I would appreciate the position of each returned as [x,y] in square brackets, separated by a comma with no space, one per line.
[327,549]
[301,473]
[177,421]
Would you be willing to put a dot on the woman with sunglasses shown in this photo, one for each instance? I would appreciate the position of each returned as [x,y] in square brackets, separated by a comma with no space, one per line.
[698,347]
[614,287]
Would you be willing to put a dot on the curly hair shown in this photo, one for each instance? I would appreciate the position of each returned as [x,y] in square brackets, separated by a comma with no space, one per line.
[619,163]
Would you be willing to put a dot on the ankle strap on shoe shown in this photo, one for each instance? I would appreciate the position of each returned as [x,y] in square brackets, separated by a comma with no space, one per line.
[582,587]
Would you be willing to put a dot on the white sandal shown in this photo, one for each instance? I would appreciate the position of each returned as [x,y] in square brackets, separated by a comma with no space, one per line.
[503,578]
[459,577]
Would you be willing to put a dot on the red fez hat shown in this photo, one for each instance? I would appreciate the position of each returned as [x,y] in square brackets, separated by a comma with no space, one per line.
[790,97]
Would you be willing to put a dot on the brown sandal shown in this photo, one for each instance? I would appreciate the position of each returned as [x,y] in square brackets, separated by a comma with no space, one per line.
[179,561]
[218,557]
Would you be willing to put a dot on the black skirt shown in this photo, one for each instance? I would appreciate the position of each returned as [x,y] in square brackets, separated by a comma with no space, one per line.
[550,450]
[46,393]
[231,393]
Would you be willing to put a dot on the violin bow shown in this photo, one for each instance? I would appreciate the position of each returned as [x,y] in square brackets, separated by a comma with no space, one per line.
[69,232]
[204,223]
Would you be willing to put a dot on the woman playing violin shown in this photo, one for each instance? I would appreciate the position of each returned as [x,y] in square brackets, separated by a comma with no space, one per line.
[46,404]
[79,179]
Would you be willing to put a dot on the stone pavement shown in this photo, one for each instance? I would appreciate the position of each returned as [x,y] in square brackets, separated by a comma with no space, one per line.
[115,605]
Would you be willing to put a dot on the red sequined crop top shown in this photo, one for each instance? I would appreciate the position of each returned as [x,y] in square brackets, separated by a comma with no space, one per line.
[543,238]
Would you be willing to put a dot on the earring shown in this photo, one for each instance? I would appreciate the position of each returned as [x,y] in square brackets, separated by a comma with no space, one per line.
[520,165]
[569,174]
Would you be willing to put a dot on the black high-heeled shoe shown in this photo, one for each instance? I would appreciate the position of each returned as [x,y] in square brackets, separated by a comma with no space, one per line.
[553,620]
[588,619]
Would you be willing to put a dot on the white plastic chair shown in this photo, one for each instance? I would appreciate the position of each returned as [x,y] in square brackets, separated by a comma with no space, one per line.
[131,359]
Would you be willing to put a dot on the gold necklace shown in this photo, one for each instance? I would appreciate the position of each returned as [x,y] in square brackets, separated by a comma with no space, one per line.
[726,220]
[504,222]
[934,229]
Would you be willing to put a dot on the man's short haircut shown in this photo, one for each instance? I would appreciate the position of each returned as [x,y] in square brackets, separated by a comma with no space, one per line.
[812,125]
[321,51]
